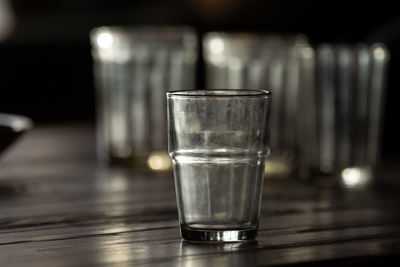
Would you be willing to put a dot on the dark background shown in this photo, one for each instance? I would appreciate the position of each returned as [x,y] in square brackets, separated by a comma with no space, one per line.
[46,67]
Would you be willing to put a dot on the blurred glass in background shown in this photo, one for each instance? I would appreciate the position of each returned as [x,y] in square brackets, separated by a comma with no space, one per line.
[270,62]
[341,112]
[134,67]
[7,19]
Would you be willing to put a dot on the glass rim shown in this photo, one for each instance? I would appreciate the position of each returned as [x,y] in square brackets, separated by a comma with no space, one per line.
[217,93]
[246,37]
[143,29]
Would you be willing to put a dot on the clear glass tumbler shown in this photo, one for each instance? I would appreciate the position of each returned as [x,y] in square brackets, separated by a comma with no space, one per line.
[247,60]
[218,142]
[341,119]
[134,67]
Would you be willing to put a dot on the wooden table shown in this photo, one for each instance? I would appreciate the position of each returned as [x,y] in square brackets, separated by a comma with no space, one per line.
[58,209]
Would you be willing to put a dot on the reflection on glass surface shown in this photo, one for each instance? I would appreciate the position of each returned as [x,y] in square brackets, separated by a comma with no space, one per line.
[104,40]
[356,176]
[277,168]
[216,46]
[159,161]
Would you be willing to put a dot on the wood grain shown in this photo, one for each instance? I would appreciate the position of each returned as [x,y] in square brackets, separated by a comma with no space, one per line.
[57,208]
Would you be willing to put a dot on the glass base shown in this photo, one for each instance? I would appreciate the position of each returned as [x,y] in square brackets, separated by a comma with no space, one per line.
[211,235]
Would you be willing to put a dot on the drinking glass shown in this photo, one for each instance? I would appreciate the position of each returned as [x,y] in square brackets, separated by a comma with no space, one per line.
[342,112]
[134,67]
[272,62]
[218,141]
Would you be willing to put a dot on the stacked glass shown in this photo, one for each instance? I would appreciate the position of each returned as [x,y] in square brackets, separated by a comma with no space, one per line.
[134,67]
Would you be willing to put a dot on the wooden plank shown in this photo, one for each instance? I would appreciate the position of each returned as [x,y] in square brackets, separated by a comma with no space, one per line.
[58,209]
